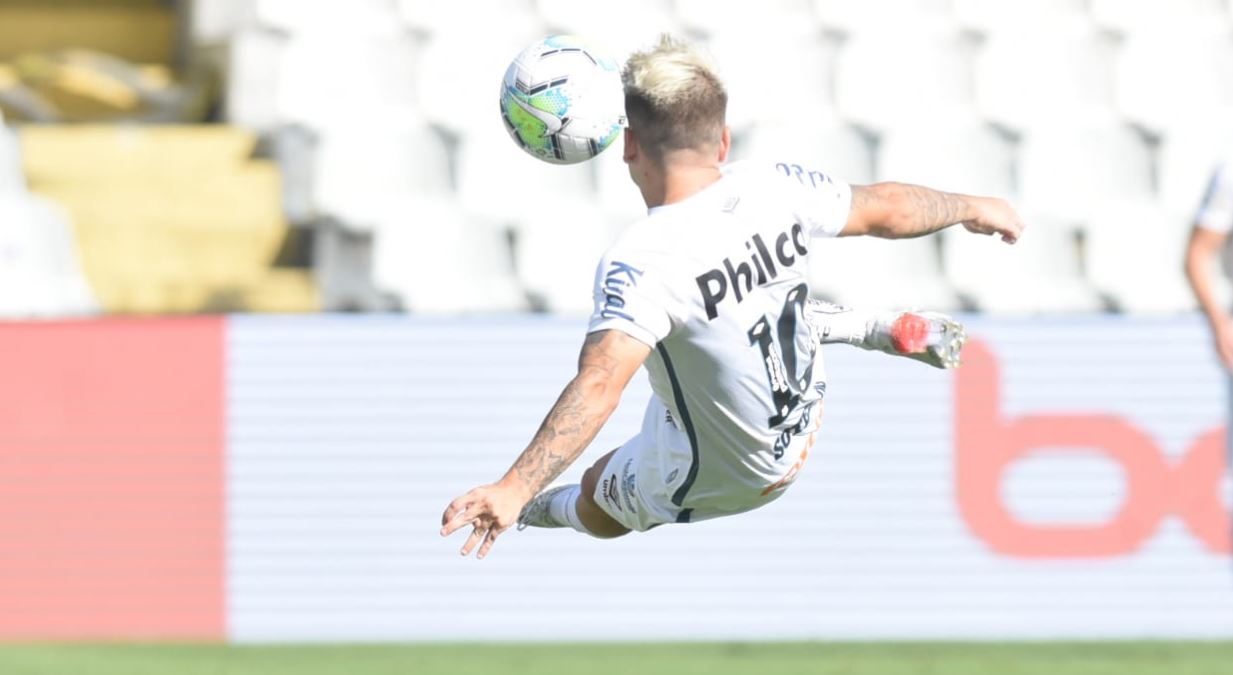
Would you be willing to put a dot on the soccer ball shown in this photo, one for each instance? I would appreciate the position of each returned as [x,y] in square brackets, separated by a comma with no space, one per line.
[562,100]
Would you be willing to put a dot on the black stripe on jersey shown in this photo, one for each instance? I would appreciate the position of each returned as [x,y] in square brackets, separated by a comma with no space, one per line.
[683,413]
[684,515]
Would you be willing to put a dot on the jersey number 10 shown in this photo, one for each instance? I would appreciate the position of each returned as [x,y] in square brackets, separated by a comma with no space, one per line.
[781,360]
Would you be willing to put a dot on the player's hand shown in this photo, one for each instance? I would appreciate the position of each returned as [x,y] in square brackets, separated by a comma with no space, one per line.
[996,216]
[489,510]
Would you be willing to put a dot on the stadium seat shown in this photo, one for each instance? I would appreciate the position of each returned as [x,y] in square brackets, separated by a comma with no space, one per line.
[986,16]
[436,259]
[362,167]
[181,221]
[891,74]
[11,178]
[499,182]
[354,17]
[217,21]
[1131,16]
[1187,157]
[40,274]
[845,16]
[1019,85]
[432,16]
[716,17]
[253,65]
[1168,79]
[878,273]
[835,148]
[954,154]
[555,258]
[619,199]
[1068,171]
[762,88]
[1134,252]
[1040,273]
[633,25]
[327,78]
[458,79]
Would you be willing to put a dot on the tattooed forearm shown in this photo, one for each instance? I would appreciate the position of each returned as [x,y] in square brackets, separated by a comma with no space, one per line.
[932,210]
[573,421]
[911,210]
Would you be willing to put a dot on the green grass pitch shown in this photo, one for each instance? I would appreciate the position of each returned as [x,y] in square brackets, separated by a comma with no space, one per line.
[1095,658]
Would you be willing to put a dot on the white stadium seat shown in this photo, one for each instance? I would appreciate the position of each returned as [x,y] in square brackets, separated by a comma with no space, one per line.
[11,177]
[435,259]
[879,273]
[1129,16]
[1134,253]
[994,15]
[1040,273]
[839,150]
[954,154]
[353,17]
[40,274]
[361,168]
[327,79]
[216,21]
[500,182]
[458,80]
[253,64]
[1167,79]
[716,17]
[886,76]
[556,256]
[1187,157]
[619,199]
[620,29]
[847,16]
[1069,171]
[1045,75]
[789,83]
[432,16]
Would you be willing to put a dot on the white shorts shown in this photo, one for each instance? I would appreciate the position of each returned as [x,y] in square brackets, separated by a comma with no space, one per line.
[637,484]
[641,477]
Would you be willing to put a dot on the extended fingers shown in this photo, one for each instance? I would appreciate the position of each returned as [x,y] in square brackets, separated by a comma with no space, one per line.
[477,535]
[488,542]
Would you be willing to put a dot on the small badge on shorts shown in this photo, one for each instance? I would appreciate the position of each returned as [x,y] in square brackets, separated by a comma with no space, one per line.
[610,492]
[628,479]
[671,476]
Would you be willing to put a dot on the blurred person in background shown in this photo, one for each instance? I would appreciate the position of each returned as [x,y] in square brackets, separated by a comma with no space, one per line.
[1208,239]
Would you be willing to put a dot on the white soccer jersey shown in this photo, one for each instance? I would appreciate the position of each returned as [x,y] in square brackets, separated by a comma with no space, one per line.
[1216,211]
[716,285]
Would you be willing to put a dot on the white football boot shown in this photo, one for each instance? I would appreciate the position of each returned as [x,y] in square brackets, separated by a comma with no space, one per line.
[929,337]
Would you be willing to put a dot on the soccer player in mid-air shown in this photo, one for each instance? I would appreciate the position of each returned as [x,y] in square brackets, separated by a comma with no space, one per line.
[709,291]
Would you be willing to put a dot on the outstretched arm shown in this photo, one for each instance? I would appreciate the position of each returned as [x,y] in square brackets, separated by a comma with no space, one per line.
[1200,253]
[899,210]
[608,360]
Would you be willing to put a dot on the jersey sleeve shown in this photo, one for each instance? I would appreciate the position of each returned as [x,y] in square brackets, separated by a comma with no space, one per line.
[1216,211]
[820,201]
[630,297]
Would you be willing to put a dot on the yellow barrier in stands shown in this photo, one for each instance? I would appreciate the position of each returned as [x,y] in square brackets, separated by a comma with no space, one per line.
[170,219]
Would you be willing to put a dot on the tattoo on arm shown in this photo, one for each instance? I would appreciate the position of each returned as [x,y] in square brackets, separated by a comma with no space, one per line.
[572,422]
[911,210]
[933,210]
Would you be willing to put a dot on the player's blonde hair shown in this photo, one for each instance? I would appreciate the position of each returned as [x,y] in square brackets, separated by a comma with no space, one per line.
[673,97]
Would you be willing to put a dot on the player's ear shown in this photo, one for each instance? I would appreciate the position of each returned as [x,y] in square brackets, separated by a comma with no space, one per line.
[725,144]
[630,153]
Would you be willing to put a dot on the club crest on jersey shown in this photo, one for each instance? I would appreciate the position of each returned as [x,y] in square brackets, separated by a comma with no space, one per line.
[618,277]
[715,284]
